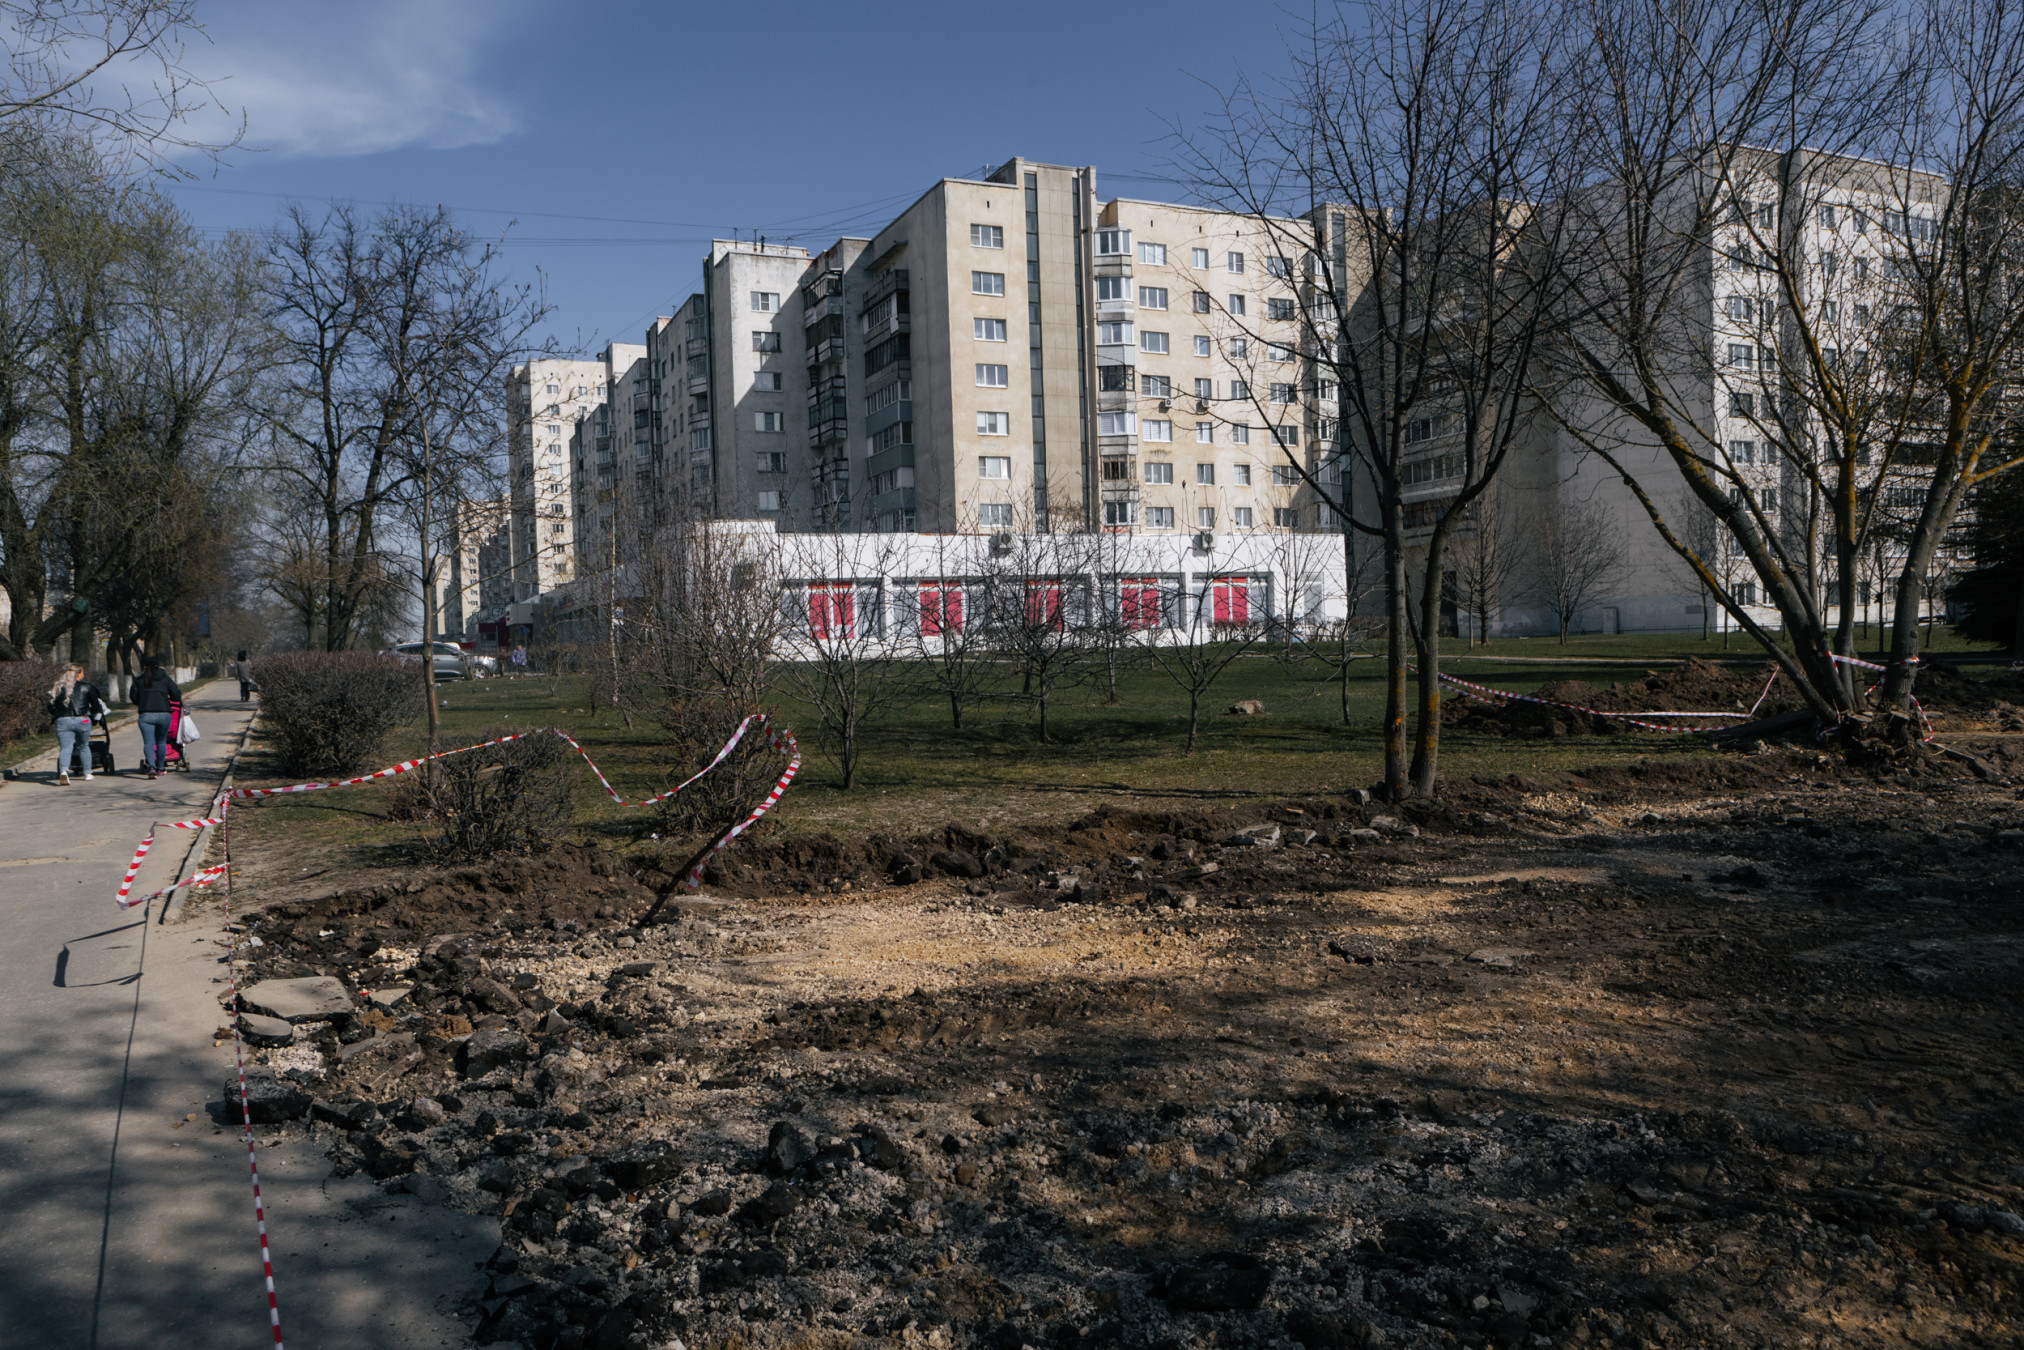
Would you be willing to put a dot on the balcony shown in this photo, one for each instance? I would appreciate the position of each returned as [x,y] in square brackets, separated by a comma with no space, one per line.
[1118,473]
[884,284]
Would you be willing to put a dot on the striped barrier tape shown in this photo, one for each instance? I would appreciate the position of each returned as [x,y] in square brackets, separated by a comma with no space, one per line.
[778,739]
[1925,722]
[1484,691]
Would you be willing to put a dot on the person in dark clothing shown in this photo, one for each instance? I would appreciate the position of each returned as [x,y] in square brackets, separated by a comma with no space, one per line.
[73,702]
[152,693]
[244,672]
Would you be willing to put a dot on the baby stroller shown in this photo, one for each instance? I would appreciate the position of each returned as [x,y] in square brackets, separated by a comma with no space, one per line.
[173,758]
[100,750]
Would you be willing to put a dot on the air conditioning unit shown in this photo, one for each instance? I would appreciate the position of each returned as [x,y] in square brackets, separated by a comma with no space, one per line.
[1001,542]
[1166,406]
[1201,405]
[1205,541]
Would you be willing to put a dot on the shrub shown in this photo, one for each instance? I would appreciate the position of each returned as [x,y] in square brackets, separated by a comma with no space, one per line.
[24,697]
[510,798]
[331,711]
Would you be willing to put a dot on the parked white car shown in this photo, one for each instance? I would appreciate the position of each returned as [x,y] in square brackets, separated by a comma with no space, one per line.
[450,660]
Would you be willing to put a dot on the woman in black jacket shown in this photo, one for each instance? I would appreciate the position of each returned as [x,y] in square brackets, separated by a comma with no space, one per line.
[73,702]
[152,694]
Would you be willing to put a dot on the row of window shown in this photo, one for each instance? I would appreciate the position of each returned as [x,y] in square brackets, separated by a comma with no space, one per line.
[1117,244]
[1159,429]
[1163,517]
[829,611]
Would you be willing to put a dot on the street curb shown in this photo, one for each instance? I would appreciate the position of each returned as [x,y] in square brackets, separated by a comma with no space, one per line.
[201,845]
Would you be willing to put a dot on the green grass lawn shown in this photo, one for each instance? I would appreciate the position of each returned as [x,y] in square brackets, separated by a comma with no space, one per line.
[916,771]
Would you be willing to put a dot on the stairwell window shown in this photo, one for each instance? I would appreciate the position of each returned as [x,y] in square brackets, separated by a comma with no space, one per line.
[767,421]
[994,466]
[988,330]
[766,342]
[987,283]
[993,377]
[769,501]
[987,236]
[994,424]
[765,302]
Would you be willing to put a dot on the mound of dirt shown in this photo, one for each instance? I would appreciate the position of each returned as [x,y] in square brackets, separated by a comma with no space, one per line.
[1692,686]
[1993,703]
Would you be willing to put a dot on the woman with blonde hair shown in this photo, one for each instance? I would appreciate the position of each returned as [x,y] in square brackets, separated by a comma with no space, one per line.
[73,701]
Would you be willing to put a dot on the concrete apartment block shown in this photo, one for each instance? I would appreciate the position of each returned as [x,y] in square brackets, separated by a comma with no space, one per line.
[753,411]
[544,400]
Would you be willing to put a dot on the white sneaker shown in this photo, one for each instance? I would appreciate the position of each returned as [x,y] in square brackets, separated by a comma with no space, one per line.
[87,778]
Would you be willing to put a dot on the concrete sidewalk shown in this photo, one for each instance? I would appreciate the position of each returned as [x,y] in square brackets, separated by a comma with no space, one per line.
[129,1214]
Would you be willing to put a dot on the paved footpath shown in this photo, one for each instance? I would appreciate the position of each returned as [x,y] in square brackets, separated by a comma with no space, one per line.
[126,1214]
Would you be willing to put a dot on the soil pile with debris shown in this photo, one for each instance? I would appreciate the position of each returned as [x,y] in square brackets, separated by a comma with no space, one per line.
[1566,1060]
[1964,702]
[1692,686]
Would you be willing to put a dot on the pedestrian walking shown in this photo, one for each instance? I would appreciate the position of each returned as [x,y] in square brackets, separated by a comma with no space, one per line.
[73,702]
[519,658]
[154,693]
[244,673]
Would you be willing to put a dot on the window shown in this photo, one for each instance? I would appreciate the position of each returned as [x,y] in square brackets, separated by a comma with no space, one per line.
[1116,469]
[994,466]
[1113,334]
[1205,388]
[1240,474]
[1278,351]
[988,330]
[1205,433]
[1153,342]
[1286,517]
[1156,386]
[1862,269]
[1285,435]
[1742,452]
[1199,257]
[1240,433]
[994,424]
[1238,349]
[767,421]
[1235,262]
[1114,379]
[1276,266]
[1205,474]
[766,342]
[765,302]
[772,461]
[940,605]
[1116,423]
[1862,313]
[987,283]
[987,236]
[1160,517]
[769,501]
[1159,474]
[1282,393]
[1120,513]
[1742,405]
[993,377]
[1153,255]
[1742,355]
[1198,301]
[995,514]
[1283,475]
[767,381]
[1276,308]
[553,388]
[1138,602]
[1240,516]
[1152,297]
[1239,389]
[1235,305]
[1203,345]
[1205,517]
[1111,243]
[1740,307]
[1113,288]
[1156,430]
[1830,310]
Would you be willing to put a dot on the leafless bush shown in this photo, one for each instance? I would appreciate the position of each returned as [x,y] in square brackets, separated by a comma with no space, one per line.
[509,798]
[330,711]
[24,697]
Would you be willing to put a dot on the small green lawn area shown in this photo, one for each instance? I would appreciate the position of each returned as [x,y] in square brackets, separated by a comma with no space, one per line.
[917,771]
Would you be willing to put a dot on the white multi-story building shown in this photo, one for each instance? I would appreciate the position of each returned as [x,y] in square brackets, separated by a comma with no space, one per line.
[544,400]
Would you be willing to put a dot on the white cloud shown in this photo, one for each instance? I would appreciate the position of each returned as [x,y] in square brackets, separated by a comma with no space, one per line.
[358,76]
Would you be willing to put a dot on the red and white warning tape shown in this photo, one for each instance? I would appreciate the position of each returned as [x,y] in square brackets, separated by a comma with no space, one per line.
[1488,694]
[777,739]
[1925,722]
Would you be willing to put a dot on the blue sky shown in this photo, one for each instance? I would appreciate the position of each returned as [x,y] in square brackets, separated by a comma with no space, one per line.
[566,128]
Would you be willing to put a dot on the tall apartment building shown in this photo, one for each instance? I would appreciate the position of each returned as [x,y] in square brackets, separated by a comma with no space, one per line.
[475,577]
[544,400]
[599,451]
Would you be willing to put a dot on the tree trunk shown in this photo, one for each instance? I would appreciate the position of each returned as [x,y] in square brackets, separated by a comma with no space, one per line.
[1043,714]
[1194,718]
[1397,640]
[955,710]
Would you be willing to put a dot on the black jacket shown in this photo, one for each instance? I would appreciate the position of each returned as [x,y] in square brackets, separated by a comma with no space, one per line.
[83,701]
[154,698]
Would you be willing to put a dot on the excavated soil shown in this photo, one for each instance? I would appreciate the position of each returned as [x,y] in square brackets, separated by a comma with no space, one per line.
[1721,1052]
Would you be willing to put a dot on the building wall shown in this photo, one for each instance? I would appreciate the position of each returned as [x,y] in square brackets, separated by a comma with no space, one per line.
[544,399]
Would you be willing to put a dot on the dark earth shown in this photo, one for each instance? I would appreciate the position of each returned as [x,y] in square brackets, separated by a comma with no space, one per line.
[1701,1050]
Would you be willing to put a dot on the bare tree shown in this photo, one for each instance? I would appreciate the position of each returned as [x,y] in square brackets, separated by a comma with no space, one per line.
[1411,170]
[1487,555]
[1578,554]
[1040,605]
[840,658]
[942,621]
[109,69]
[1194,635]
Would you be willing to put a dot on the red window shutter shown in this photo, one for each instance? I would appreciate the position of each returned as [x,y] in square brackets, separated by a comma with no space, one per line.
[1220,596]
[952,610]
[931,612]
[1240,601]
